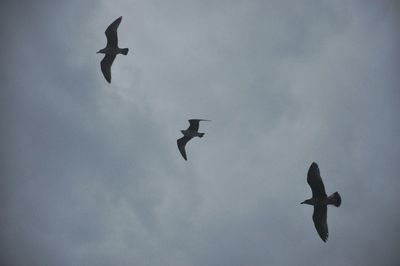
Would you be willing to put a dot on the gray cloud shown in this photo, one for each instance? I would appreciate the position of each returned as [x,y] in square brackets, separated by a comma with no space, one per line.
[90,171]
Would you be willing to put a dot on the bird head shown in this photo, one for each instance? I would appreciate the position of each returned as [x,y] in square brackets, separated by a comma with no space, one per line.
[306,202]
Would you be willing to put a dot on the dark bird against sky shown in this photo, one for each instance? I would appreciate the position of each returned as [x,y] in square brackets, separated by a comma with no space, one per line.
[188,134]
[112,49]
[320,201]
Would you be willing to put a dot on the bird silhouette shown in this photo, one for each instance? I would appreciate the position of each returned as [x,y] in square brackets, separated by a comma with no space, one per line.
[188,134]
[320,201]
[112,49]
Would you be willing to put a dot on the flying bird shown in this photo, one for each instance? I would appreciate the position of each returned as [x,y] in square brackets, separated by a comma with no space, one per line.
[111,49]
[188,134]
[320,201]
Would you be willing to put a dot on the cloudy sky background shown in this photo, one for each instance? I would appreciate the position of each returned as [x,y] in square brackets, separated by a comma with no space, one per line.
[90,171]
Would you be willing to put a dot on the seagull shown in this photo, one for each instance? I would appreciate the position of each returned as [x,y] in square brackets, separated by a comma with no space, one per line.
[188,134]
[111,49]
[320,201]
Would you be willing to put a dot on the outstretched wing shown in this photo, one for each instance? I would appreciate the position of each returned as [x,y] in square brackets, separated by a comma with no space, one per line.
[106,66]
[181,145]
[320,221]
[194,124]
[111,33]
[315,181]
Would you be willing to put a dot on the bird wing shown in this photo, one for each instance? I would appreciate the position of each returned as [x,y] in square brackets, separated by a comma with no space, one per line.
[111,33]
[320,221]
[194,124]
[106,66]
[315,181]
[181,145]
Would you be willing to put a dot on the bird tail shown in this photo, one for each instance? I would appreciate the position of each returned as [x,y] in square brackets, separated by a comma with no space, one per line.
[125,51]
[335,199]
[201,135]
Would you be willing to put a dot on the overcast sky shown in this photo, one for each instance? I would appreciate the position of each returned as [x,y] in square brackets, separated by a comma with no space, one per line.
[90,171]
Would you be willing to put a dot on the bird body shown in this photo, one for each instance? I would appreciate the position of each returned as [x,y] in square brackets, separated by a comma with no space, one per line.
[111,50]
[333,199]
[320,201]
[192,133]
[188,134]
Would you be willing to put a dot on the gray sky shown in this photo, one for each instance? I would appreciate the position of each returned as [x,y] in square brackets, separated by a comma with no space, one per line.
[90,172]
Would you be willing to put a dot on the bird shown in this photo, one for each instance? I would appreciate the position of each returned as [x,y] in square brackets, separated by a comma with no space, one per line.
[111,50]
[320,201]
[188,134]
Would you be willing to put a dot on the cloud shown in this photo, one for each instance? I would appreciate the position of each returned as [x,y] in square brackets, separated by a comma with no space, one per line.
[91,174]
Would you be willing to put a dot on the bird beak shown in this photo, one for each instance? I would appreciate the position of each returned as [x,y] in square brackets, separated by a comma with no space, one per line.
[302,202]
[98,52]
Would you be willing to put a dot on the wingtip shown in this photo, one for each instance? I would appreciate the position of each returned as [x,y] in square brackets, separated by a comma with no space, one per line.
[325,237]
[314,165]
[198,119]
[181,149]
[184,157]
